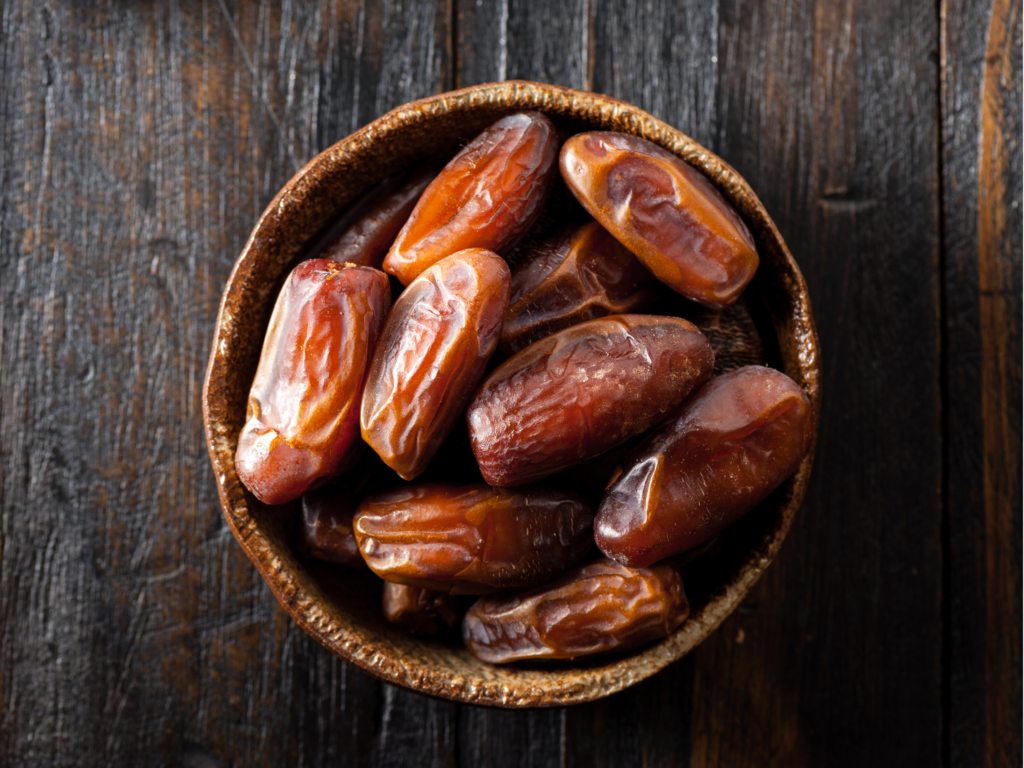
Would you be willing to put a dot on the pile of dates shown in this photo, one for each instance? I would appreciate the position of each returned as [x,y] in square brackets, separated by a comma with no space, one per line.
[492,428]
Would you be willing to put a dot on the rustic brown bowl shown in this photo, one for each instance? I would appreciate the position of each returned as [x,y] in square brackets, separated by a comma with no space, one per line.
[340,607]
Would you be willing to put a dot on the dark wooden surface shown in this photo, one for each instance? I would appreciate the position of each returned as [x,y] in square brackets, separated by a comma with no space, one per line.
[140,142]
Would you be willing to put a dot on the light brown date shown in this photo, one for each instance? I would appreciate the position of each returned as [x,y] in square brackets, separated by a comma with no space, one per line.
[595,608]
[363,235]
[665,211]
[581,274]
[486,197]
[733,443]
[472,539]
[325,526]
[583,391]
[302,420]
[419,611]
[431,355]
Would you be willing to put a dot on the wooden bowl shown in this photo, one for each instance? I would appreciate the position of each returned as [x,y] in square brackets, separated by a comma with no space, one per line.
[340,607]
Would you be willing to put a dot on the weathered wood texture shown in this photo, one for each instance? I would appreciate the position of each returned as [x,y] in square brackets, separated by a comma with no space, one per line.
[141,142]
[831,113]
[982,238]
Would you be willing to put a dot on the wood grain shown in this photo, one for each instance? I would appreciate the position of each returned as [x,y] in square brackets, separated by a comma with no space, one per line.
[140,143]
[981,113]
[829,110]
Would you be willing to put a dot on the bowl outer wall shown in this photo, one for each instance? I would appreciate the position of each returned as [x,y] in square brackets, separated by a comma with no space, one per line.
[304,206]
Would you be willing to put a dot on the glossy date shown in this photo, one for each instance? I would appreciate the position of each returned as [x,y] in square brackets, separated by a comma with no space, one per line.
[364,234]
[325,526]
[596,608]
[472,539]
[665,211]
[302,419]
[431,355]
[581,274]
[733,443]
[419,611]
[583,391]
[486,197]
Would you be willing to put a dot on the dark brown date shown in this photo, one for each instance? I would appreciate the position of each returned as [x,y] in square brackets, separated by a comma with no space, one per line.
[596,608]
[733,443]
[486,197]
[364,234]
[581,274]
[325,526]
[431,355]
[302,420]
[665,211]
[573,396]
[419,611]
[472,539]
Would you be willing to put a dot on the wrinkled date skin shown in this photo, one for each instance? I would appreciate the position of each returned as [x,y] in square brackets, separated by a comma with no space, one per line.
[733,443]
[596,608]
[431,356]
[663,210]
[325,526]
[302,421]
[419,611]
[473,539]
[364,234]
[582,274]
[486,197]
[581,392]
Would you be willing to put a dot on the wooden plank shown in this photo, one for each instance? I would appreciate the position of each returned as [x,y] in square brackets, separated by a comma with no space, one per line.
[505,40]
[659,56]
[981,153]
[518,40]
[829,110]
[140,143]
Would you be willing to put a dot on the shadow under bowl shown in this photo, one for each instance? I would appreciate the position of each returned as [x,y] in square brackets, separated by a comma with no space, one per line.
[341,607]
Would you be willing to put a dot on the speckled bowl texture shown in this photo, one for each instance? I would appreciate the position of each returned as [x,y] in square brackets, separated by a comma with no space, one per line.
[341,607]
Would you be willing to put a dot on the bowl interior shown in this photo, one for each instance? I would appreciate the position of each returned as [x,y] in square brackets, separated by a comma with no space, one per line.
[341,607]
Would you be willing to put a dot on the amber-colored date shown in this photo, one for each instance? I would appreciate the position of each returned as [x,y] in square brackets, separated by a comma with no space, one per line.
[325,526]
[486,197]
[733,443]
[663,210]
[431,355]
[302,421]
[573,396]
[472,539]
[419,611]
[581,274]
[595,608]
[364,234]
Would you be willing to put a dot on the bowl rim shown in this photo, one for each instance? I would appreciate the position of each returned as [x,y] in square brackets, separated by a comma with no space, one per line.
[546,688]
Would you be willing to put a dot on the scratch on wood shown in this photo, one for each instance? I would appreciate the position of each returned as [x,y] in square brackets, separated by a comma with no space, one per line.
[263,90]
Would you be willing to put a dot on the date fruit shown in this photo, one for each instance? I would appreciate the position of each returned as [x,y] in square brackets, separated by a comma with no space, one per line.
[419,611]
[431,355]
[302,419]
[364,234]
[582,274]
[733,443]
[473,539]
[595,608]
[325,526]
[665,211]
[486,197]
[581,392]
